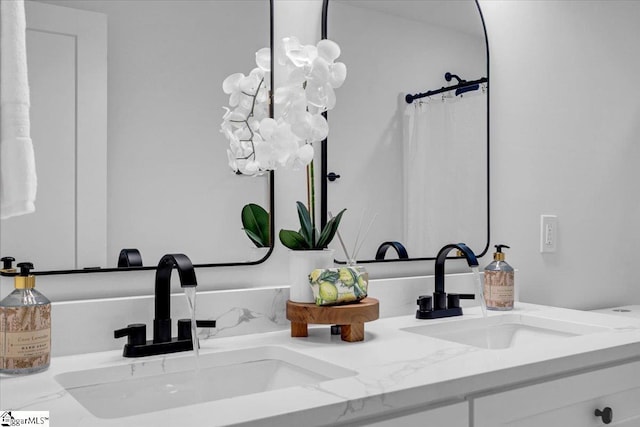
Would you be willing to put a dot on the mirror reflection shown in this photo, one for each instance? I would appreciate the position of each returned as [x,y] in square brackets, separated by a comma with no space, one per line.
[419,168]
[126,110]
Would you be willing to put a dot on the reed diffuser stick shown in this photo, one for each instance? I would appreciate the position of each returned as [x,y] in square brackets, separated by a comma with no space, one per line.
[355,244]
[344,248]
[366,233]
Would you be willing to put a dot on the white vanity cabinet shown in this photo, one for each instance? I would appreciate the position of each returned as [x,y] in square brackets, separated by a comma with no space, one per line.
[566,402]
[454,415]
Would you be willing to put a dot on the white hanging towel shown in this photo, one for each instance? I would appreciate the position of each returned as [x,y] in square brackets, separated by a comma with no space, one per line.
[18,181]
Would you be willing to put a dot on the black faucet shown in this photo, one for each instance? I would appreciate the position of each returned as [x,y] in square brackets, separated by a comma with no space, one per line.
[162,343]
[443,304]
[397,246]
[162,320]
[129,258]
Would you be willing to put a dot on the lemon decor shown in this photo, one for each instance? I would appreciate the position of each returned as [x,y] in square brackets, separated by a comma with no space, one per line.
[343,285]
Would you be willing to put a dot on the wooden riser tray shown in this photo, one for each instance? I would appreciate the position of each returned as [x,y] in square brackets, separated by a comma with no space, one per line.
[351,317]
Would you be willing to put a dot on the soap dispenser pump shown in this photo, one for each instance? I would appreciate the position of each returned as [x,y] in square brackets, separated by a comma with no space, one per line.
[499,282]
[25,326]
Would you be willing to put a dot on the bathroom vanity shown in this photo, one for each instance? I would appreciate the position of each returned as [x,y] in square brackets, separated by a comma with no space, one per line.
[552,367]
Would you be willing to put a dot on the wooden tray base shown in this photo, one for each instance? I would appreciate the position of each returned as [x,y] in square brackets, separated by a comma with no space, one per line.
[351,317]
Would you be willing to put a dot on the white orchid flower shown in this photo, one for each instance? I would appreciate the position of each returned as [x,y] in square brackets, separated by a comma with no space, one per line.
[337,74]
[311,127]
[320,95]
[263,59]
[291,52]
[283,141]
[231,86]
[304,156]
[233,163]
[258,143]
[328,50]
[292,100]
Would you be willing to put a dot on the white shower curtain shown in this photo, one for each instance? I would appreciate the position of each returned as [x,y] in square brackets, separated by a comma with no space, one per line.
[445,172]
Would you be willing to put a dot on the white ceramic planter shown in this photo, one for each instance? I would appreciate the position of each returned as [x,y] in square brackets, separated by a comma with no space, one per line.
[301,263]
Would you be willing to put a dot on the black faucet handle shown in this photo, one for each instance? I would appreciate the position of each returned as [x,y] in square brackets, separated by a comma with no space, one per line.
[424,303]
[453,300]
[206,323]
[184,327]
[467,296]
[136,333]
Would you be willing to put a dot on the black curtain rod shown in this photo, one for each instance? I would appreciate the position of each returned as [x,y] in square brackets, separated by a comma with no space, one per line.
[410,98]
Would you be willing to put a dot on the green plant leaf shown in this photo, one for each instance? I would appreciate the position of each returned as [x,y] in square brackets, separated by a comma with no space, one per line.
[255,222]
[293,240]
[329,231]
[307,230]
[329,276]
[255,238]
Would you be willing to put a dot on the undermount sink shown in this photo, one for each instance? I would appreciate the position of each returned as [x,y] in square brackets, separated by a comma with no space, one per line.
[504,331]
[171,382]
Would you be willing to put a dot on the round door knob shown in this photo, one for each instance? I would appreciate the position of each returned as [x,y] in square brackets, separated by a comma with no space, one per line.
[606,414]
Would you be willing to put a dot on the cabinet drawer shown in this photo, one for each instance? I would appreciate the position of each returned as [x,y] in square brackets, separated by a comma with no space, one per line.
[566,402]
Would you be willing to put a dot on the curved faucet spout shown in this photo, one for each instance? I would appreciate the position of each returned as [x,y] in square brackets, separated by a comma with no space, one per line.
[182,263]
[441,258]
[186,272]
[397,246]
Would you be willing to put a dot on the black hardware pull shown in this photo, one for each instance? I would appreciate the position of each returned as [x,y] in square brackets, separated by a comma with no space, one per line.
[332,176]
[606,414]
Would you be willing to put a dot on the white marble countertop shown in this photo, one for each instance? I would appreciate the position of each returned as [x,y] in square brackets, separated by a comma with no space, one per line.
[395,369]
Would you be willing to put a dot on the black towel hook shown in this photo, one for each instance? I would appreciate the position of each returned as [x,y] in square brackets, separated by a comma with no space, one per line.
[448,76]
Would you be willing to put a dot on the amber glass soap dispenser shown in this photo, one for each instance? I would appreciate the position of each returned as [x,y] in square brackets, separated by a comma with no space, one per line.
[25,327]
[499,282]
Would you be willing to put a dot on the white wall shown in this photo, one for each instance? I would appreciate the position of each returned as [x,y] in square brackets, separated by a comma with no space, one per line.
[565,117]
[565,133]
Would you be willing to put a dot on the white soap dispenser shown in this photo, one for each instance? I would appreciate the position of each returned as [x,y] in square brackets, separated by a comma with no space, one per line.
[25,327]
[499,282]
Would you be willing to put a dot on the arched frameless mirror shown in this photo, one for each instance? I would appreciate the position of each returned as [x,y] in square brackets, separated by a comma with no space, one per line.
[127,102]
[421,169]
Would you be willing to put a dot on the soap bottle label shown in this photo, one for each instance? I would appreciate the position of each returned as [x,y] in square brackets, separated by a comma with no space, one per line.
[498,289]
[25,336]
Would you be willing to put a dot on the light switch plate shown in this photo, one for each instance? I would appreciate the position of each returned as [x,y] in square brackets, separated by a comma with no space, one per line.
[548,233]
